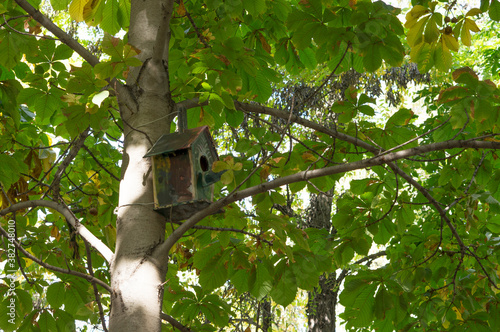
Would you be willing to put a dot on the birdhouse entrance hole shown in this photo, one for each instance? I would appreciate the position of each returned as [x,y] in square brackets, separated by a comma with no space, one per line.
[204,163]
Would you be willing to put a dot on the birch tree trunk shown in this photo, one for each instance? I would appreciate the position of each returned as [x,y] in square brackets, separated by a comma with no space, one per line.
[136,276]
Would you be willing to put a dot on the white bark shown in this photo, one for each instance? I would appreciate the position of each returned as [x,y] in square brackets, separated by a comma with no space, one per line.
[137,277]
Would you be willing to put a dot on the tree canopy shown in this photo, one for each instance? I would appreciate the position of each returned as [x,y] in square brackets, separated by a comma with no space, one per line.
[357,153]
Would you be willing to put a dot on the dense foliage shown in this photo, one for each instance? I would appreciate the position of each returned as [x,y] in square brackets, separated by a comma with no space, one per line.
[297,95]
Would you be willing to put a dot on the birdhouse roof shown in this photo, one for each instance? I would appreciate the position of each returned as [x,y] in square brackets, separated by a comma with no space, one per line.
[180,141]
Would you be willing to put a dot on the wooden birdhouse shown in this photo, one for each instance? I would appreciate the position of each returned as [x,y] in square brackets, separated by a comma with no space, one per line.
[182,172]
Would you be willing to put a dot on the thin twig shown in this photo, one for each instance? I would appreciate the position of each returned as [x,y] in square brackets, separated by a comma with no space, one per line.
[96,291]
[198,33]
[25,33]
[99,163]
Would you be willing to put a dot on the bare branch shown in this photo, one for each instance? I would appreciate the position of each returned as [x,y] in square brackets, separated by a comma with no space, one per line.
[66,212]
[197,30]
[77,145]
[96,291]
[311,174]
[360,261]
[24,33]
[52,267]
[175,323]
[100,164]
[228,229]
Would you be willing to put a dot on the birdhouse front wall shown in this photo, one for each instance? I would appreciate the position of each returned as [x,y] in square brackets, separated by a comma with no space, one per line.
[174,179]
[203,158]
[182,173]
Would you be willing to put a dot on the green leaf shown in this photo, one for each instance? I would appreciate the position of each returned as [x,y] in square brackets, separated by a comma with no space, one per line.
[359,304]
[64,320]
[73,300]
[240,281]
[231,81]
[10,170]
[55,294]
[383,303]
[285,290]
[459,116]
[261,87]
[46,322]
[110,22]
[305,271]
[202,257]
[308,58]
[494,12]
[60,4]
[214,273]
[62,52]
[401,118]
[9,50]
[263,282]
[255,7]
[423,55]
[385,232]
[466,76]
[372,60]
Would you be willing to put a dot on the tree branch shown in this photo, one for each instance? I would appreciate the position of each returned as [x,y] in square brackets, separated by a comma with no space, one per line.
[360,261]
[77,145]
[164,248]
[94,286]
[51,267]
[259,109]
[66,212]
[163,35]
[100,164]
[175,323]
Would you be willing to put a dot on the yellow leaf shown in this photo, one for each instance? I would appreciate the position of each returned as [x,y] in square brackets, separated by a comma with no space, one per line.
[110,234]
[264,173]
[474,12]
[308,156]
[181,10]
[54,232]
[227,177]
[457,312]
[76,9]
[27,260]
[442,56]
[89,9]
[414,14]
[94,177]
[219,166]
[431,33]
[238,167]
[468,26]
[451,42]
[416,33]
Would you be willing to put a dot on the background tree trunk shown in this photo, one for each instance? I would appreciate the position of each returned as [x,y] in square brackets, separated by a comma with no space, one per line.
[322,301]
[266,313]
